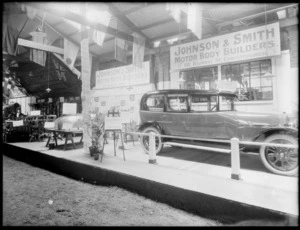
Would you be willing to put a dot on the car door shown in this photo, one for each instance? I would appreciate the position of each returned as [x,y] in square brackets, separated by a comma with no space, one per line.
[197,118]
[175,116]
[153,109]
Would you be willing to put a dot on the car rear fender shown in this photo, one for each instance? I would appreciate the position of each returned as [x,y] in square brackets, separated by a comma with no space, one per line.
[152,124]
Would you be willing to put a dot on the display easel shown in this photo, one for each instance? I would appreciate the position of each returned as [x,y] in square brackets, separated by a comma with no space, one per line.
[113,124]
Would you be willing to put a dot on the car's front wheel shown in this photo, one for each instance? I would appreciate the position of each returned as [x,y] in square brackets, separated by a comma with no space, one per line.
[145,140]
[280,160]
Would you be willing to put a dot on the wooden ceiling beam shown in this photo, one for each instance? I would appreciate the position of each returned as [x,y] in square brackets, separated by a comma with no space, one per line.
[134,9]
[61,34]
[58,23]
[173,34]
[39,46]
[83,21]
[121,17]
[157,24]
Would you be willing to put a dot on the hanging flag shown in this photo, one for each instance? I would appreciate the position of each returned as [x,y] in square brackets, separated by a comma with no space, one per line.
[38,56]
[31,12]
[121,48]
[60,70]
[104,18]
[16,92]
[98,37]
[138,50]
[70,53]
[73,69]
[9,37]
[175,10]
[194,19]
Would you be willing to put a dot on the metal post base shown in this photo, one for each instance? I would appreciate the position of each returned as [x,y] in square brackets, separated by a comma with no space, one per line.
[152,161]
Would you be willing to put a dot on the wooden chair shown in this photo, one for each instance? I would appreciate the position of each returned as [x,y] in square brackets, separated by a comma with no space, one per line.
[47,118]
[129,127]
[36,127]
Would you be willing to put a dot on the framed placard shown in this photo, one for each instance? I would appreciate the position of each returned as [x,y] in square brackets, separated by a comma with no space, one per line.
[18,123]
[67,126]
[123,103]
[35,112]
[69,108]
[113,123]
[125,117]
[132,97]
[49,125]
[226,85]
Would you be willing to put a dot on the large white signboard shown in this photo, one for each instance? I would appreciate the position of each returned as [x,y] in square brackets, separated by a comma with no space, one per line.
[113,123]
[35,112]
[258,42]
[123,76]
[69,108]
[49,125]
[18,123]
[226,85]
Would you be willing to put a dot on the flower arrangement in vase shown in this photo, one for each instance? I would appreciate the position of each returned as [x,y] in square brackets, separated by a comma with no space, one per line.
[96,133]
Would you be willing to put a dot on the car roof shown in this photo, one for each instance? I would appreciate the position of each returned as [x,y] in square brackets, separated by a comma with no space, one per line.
[196,91]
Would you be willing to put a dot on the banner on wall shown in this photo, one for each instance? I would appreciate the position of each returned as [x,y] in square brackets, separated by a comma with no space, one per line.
[123,76]
[258,42]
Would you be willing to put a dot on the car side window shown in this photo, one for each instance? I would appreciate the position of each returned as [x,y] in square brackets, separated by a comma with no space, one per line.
[199,103]
[155,103]
[226,103]
[213,103]
[177,102]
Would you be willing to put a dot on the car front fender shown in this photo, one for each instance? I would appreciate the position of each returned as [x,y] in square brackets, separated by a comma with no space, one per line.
[286,130]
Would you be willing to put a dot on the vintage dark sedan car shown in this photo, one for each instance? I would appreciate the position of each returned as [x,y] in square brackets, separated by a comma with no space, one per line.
[212,115]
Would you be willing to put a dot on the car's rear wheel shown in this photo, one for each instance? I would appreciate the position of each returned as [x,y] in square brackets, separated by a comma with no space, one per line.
[280,160]
[145,140]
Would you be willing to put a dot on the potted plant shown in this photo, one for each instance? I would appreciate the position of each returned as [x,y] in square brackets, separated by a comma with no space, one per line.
[96,133]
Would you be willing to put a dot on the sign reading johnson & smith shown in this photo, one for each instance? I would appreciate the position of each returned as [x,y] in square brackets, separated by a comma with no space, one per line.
[258,42]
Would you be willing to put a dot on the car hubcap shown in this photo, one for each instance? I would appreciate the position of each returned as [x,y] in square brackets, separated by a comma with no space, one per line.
[283,159]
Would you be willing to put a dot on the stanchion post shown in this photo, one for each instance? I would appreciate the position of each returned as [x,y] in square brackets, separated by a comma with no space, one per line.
[152,152]
[235,159]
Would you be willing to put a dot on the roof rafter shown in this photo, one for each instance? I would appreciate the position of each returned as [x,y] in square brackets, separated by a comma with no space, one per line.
[83,21]
[121,17]
[157,24]
[61,34]
[170,35]
[134,9]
